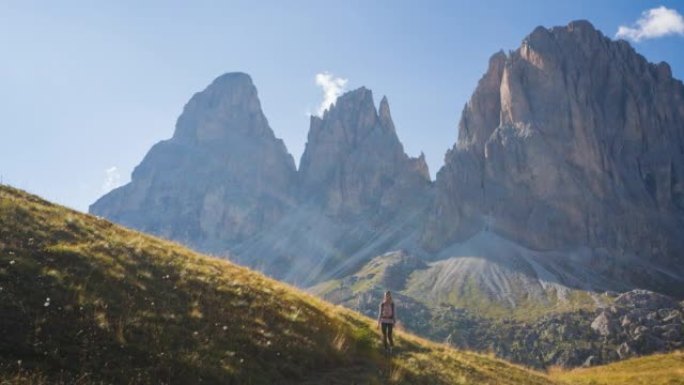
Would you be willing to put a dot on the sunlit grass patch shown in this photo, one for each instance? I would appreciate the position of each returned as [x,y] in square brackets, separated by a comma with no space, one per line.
[657,369]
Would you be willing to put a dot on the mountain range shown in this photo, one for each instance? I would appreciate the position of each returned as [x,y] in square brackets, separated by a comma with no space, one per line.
[564,188]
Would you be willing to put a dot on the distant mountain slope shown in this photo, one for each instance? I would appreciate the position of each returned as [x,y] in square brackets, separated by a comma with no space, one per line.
[86,301]
[545,327]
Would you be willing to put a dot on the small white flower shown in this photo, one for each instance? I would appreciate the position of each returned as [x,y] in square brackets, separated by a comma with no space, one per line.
[12,262]
[224,326]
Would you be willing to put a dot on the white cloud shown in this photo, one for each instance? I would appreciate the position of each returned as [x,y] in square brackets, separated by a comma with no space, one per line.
[112,179]
[656,22]
[332,88]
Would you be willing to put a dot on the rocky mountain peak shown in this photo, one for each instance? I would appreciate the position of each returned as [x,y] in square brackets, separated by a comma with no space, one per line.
[229,105]
[353,157]
[578,29]
[421,166]
[385,115]
[221,178]
[354,116]
[571,141]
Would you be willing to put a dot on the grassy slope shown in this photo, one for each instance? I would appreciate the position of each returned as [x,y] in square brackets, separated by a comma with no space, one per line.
[85,301]
[657,369]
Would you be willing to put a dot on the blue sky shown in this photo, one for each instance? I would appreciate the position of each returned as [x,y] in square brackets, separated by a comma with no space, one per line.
[87,87]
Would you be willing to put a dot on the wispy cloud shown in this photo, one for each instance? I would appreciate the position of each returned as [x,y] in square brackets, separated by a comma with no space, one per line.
[112,179]
[332,88]
[656,22]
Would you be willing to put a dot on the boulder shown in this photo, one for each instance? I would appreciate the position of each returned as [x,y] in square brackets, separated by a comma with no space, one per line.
[625,351]
[590,361]
[603,324]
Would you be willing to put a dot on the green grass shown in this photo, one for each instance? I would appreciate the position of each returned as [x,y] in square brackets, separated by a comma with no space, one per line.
[527,309]
[476,300]
[657,369]
[84,301]
[471,296]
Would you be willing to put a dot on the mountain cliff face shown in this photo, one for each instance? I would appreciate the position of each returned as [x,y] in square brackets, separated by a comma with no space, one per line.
[573,141]
[354,163]
[220,179]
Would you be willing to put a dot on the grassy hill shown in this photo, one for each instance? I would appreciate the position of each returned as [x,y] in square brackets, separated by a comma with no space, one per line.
[657,369]
[85,301]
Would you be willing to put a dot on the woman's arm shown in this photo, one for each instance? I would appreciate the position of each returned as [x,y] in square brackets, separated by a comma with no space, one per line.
[379,314]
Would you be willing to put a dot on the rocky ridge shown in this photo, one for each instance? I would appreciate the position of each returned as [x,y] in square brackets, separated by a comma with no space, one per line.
[225,184]
[354,163]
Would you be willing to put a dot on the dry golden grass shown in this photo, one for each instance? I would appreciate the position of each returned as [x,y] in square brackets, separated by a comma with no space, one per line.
[657,369]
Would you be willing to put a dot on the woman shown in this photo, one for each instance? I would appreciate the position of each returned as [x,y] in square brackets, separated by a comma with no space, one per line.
[386,320]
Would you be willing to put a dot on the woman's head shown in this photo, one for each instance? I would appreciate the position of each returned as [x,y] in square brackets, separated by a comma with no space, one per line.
[388,296]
